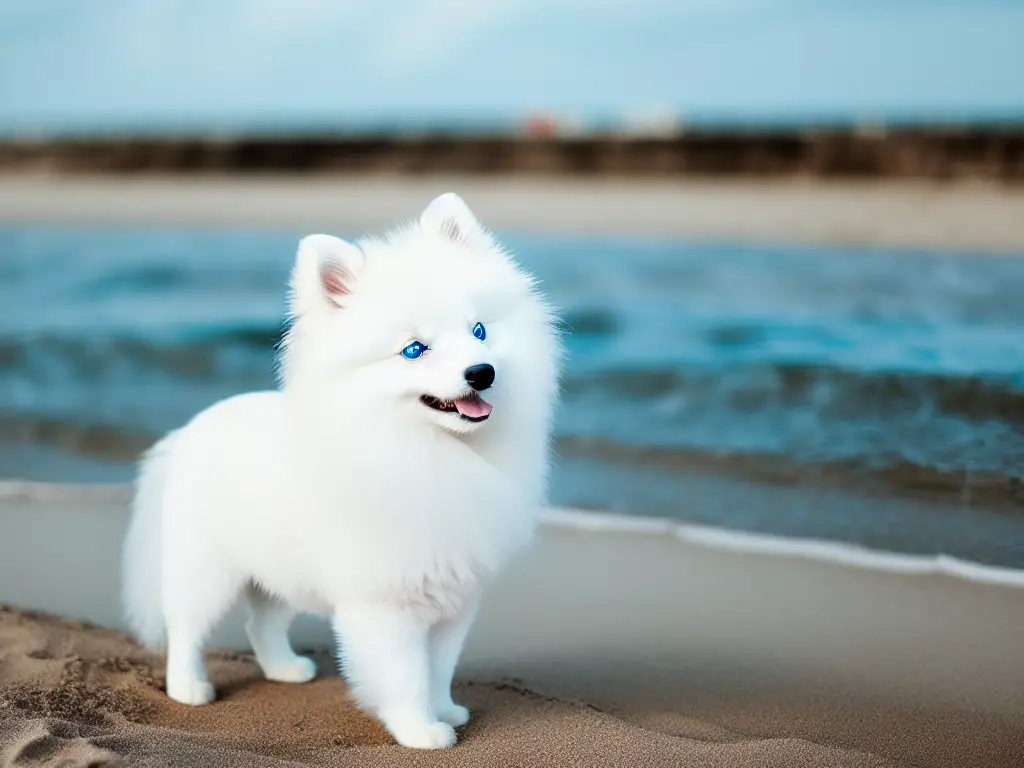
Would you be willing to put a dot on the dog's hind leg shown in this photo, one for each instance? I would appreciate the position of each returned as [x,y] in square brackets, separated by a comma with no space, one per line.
[197,592]
[267,628]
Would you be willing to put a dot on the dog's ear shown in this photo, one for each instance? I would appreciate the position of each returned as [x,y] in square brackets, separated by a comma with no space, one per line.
[325,273]
[451,217]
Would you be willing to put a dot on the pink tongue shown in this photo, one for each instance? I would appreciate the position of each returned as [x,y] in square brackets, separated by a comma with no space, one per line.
[473,407]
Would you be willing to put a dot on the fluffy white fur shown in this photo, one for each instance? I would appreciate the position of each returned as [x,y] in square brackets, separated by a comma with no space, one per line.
[343,493]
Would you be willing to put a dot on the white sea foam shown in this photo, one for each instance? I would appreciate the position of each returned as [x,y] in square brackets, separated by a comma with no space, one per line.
[835,552]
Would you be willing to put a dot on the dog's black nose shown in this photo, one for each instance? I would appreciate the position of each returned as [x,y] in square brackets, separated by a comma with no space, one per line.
[480,377]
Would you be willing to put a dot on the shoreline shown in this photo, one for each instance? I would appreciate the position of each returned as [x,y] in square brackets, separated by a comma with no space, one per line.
[710,537]
[978,217]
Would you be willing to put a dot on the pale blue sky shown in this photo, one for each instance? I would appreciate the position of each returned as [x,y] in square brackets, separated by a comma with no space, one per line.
[64,62]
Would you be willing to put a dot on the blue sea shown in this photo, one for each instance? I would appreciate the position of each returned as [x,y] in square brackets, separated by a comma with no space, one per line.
[865,395]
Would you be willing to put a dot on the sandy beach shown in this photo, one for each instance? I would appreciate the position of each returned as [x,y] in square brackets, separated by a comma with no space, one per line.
[982,216]
[608,640]
[614,641]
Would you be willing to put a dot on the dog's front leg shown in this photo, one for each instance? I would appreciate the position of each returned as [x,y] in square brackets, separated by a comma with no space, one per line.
[384,655]
[446,640]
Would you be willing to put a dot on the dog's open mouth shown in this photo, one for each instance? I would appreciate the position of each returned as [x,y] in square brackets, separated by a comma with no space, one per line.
[472,407]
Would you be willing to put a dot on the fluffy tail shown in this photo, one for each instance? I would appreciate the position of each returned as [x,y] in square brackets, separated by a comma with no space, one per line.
[141,580]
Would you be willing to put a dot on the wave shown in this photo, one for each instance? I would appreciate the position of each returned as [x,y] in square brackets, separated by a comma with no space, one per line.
[105,441]
[903,431]
[194,352]
[839,391]
[894,475]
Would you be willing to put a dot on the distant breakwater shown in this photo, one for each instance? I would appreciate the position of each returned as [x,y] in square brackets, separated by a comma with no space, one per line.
[989,153]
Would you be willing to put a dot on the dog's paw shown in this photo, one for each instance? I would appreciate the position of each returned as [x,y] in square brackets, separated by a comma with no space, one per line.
[195,693]
[455,715]
[301,669]
[426,736]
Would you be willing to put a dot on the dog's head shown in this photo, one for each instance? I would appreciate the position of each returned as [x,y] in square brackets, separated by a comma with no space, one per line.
[433,321]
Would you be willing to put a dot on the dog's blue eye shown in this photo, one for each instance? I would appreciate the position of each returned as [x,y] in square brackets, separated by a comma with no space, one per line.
[414,350]
[479,331]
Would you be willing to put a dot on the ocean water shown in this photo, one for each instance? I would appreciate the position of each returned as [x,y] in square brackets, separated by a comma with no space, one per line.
[857,394]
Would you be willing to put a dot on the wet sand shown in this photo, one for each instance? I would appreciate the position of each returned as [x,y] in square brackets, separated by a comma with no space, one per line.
[981,216]
[677,651]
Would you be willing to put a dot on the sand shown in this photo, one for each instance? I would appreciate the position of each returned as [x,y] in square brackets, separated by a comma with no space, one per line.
[983,217]
[623,644]
[88,696]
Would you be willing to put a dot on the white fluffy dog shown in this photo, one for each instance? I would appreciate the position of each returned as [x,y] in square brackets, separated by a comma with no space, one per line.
[402,462]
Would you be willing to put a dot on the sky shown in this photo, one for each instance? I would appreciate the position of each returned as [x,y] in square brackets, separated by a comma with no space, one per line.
[231,62]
